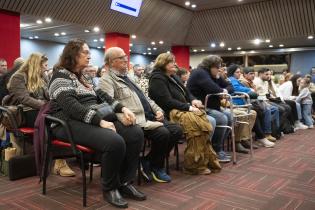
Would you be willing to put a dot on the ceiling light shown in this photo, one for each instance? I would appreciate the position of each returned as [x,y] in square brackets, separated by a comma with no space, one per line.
[86,31]
[195,50]
[153,43]
[161,42]
[222,44]
[144,53]
[257,41]
[187,3]
[48,20]
[95,40]
[56,34]
[154,48]
[133,36]
[103,47]
[239,0]
[130,44]
[168,52]
[36,37]
[149,53]
[39,21]
[202,50]
[243,52]
[229,49]
[213,45]
[271,46]
[30,37]
[239,48]
[193,5]
[281,45]
[63,33]
[129,50]
[267,40]
[310,37]
[22,25]
[101,39]
[149,48]
[99,47]
[96,29]
[252,51]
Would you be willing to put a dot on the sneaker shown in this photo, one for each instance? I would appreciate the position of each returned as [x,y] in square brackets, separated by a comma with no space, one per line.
[228,155]
[298,125]
[159,175]
[223,158]
[265,142]
[145,170]
[207,171]
[270,138]
[311,126]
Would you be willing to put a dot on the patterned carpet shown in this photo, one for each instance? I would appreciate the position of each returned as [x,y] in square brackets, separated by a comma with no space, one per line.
[279,178]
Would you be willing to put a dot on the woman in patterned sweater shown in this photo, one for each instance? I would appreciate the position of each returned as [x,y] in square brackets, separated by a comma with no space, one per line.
[119,143]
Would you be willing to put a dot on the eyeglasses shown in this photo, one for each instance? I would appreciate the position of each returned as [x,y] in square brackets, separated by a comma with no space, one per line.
[123,58]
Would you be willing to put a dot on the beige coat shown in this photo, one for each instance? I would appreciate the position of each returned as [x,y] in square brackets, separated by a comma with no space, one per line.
[119,90]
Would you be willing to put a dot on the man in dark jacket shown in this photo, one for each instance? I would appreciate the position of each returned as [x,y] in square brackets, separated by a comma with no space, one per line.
[204,80]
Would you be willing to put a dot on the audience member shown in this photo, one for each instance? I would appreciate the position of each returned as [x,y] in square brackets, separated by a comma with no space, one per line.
[305,99]
[3,66]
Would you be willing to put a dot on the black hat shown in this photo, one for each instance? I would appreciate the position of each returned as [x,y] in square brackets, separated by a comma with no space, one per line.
[247,70]
[231,69]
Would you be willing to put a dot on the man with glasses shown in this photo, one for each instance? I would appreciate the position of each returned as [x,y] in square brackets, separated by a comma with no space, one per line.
[3,66]
[149,116]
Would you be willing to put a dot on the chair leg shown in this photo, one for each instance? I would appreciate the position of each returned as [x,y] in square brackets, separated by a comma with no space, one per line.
[83,179]
[91,170]
[177,156]
[45,170]
[139,173]
[233,146]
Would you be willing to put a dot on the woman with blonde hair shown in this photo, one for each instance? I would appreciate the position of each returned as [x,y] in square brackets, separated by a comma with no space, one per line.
[27,87]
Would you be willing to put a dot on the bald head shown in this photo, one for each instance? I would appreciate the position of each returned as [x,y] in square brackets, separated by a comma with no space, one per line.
[116,59]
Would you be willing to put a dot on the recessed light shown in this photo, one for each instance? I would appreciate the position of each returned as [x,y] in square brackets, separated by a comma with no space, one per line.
[252,51]
[149,53]
[222,44]
[30,37]
[202,50]
[22,25]
[257,41]
[154,48]
[95,40]
[310,37]
[36,37]
[271,46]
[63,33]
[96,29]
[129,50]
[47,20]
[56,34]
[195,50]
[187,3]
[229,49]
[281,45]
[130,45]
[243,52]
[168,52]
[103,47]
[133,36]
[99,47]
[193,5]
[213,45]
[39,21]
[267,40]
[101,39]
[239,0]
[144,53]
[149,48]
[161,42]
[239,48]
[86,31]
[153,43]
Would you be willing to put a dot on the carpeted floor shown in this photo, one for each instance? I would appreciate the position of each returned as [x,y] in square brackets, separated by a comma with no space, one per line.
[279,178]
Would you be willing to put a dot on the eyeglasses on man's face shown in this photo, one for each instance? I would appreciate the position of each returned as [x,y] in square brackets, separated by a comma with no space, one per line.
[122,58]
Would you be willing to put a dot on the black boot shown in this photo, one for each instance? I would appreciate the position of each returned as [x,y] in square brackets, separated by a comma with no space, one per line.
[130,191]
[113,197]
[241,149]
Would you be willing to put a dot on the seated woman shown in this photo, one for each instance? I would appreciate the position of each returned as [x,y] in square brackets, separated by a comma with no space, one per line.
[27,87]
[208,79]
[120,143]
[170,94]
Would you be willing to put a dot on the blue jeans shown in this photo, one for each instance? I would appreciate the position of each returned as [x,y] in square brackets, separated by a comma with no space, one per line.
[220,134]
[271,113]
[307,114]
[299,110]
[213,124]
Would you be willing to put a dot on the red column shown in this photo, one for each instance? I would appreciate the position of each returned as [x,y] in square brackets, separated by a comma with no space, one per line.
[9,36]
[117,40]
[181,54]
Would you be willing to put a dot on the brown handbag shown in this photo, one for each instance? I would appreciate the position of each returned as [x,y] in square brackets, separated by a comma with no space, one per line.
[12,118]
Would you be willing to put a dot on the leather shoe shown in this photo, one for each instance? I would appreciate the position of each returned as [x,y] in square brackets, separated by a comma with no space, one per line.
[131,192]
[241,149]
[246,144]
[113,197]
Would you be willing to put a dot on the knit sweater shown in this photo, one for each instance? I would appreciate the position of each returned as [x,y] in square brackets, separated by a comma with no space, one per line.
[70,99]
[304,96]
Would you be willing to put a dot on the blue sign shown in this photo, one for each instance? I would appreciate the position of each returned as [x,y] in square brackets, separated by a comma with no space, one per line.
[129,7]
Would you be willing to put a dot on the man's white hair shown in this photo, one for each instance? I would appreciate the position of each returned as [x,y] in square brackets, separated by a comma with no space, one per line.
[110,53]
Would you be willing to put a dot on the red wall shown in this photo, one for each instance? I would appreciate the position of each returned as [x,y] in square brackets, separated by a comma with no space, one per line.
[117,40]
[181,54]
[9,36]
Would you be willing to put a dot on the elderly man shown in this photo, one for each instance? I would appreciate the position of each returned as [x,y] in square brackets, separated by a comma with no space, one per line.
[150,117]
[3,66]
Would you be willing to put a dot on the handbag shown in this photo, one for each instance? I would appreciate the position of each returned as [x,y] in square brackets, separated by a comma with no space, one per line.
[16,113]
[105,111]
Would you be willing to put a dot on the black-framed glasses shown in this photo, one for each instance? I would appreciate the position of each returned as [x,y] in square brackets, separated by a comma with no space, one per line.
[123,57]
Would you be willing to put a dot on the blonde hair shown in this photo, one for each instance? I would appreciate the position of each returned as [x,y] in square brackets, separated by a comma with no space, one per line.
[163,59]
[32,67]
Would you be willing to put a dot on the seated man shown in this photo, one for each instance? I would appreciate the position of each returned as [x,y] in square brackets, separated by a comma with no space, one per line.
[149,116]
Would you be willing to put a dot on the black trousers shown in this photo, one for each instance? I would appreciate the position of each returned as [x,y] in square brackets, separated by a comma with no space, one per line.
[162,140]
[119,151]
[285,115]
[293,112]
[30,117]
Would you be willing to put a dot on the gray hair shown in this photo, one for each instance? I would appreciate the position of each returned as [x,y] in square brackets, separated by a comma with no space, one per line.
[210,61]
[109,54]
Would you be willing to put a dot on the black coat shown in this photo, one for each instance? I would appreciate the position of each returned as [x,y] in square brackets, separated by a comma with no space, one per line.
[169,92]
[201,83]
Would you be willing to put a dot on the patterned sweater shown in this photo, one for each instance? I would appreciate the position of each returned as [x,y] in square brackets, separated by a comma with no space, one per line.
[70,99]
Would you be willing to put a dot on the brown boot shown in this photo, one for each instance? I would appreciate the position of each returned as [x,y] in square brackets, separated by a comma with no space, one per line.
[270,138]
[61,168]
